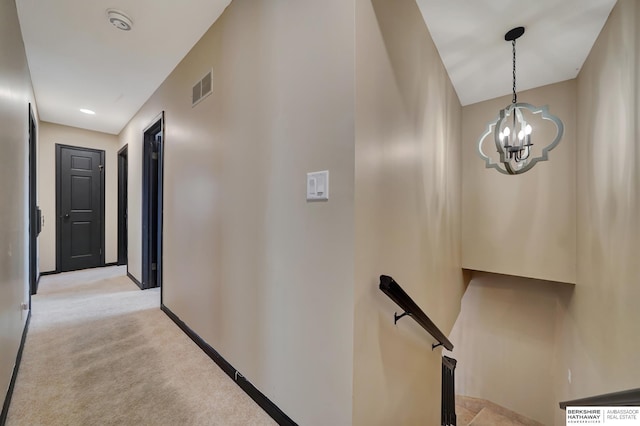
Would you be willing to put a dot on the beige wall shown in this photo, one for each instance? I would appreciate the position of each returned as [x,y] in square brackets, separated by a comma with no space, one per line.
[523,225]
[407,210]
[50,135]
[601,340]
[262,275]
[15,95]
[506,337]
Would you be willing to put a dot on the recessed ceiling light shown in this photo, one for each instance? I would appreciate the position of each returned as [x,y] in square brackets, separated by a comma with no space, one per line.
[119,20]
[87,111]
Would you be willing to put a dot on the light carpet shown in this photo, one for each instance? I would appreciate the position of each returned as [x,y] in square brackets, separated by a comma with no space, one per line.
[101,352]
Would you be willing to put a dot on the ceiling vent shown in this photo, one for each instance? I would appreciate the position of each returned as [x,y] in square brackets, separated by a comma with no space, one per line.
[119,20]
[202,89]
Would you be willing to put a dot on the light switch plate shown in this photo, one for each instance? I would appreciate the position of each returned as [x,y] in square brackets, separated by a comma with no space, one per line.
[318,186]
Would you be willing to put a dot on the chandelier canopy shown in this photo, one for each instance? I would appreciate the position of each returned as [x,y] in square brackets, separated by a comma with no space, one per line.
[512,131]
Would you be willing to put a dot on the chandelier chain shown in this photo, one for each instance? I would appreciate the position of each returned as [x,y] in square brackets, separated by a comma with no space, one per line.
[515,95]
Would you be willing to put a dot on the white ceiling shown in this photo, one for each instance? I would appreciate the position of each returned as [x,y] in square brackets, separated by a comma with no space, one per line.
[469,35]
[78,60]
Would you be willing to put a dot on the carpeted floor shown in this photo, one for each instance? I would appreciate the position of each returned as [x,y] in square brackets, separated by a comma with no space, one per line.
[100,352]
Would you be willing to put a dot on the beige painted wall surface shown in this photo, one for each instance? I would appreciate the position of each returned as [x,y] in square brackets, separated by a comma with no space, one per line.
[262,275]
[50,135]
[522,225]
[601,339]
[506,339]
[408,185]
[15,94]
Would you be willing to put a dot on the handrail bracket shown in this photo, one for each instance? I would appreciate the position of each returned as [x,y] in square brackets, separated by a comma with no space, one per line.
[397,317]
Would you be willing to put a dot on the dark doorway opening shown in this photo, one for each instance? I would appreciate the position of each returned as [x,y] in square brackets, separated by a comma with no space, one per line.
[34,211]
[123,179]
[79,208]
[152,165]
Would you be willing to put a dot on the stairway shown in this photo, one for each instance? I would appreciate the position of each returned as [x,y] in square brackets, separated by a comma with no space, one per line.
[480,412]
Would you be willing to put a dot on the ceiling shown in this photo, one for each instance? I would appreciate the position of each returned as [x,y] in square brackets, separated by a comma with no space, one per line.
[469,35]
[79,60]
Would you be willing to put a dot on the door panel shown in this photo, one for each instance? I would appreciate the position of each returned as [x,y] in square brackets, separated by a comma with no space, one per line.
[80,208]
[34,212]
[152,206]
[122,206]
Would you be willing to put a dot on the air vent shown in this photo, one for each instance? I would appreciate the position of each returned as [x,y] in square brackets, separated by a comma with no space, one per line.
[202,89]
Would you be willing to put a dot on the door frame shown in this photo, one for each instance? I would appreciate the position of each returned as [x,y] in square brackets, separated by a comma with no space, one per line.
[34,217]
[157,125]
[101,210]
[123,220]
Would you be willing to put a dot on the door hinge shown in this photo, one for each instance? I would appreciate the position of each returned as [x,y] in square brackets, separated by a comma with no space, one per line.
[154,155]
[154,266]
[100,251]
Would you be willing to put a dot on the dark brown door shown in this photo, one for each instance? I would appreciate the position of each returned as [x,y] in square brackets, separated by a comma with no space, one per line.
[80,208]
[34,216]
[152,205]
[123,233]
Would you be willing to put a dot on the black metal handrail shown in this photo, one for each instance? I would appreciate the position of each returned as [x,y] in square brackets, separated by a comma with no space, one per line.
[628,398]
[402,299]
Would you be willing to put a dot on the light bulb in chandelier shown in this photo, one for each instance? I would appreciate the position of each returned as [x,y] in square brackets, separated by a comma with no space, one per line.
[512,132]
[504,133]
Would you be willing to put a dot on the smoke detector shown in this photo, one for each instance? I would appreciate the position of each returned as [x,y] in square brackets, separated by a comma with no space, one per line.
[119,20]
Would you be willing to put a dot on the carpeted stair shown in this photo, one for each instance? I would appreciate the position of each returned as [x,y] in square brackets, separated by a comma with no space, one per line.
[480,412]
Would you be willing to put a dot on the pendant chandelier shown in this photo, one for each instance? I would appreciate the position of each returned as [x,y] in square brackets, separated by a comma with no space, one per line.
[513,134]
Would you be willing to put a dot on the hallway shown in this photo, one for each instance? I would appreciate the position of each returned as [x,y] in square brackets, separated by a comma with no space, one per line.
[532,277]
[100,351]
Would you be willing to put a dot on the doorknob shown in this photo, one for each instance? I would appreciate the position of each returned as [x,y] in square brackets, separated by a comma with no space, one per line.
[66,216]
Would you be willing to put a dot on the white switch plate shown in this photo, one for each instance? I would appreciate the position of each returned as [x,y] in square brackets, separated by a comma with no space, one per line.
[318,186]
